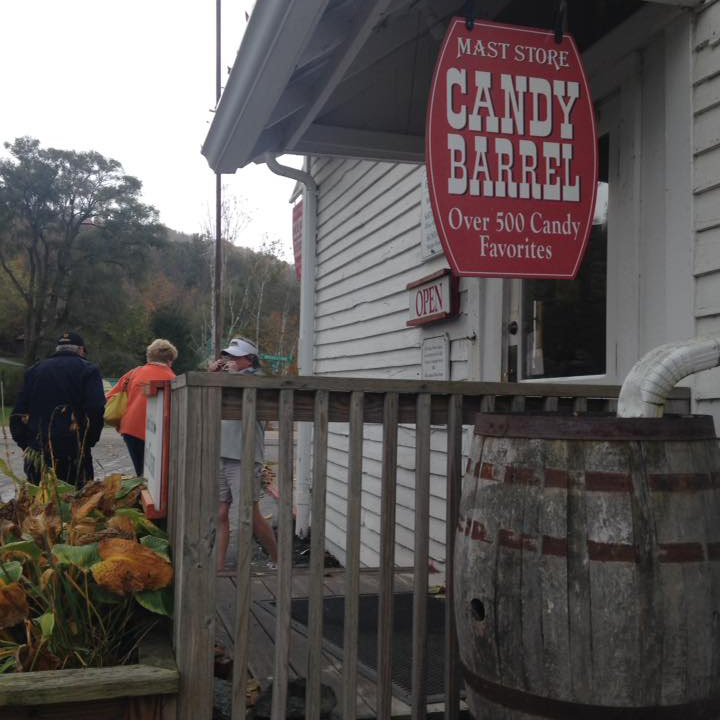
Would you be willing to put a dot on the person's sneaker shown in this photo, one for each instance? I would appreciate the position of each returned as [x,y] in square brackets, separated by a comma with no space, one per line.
[270,565]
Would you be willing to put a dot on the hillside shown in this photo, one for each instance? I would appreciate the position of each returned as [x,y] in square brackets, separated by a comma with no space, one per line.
[163,290]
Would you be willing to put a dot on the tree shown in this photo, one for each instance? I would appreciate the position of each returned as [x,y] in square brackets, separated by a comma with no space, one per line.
[233,219]
[172,324]
[61,213]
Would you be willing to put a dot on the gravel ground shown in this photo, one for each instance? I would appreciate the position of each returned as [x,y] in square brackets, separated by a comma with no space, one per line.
[109,456]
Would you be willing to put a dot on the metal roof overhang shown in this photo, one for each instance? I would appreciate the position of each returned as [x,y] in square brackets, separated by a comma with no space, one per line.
[350,78]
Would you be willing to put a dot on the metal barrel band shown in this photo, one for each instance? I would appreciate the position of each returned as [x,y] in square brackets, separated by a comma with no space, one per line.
[595,428]
[554,709]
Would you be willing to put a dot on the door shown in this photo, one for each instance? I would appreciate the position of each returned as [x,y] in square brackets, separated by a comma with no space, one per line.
[559,329]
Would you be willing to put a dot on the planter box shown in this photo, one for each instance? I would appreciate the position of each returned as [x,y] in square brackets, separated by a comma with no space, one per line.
[145,691]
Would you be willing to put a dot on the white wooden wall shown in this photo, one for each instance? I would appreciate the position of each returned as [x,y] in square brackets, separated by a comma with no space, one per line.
[706,192]
[368,250]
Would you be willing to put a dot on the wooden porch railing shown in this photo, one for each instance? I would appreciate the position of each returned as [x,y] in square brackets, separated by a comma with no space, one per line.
[201,400]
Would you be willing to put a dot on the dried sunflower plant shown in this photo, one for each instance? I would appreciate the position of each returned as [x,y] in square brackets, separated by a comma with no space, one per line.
[84,575]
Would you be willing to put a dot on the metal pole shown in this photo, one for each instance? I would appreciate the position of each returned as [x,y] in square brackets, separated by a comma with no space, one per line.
[218,276]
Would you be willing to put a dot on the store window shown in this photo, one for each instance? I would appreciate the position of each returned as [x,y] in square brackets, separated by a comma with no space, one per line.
[564,323]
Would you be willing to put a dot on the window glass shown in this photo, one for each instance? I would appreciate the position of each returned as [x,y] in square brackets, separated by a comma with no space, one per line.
[564,321]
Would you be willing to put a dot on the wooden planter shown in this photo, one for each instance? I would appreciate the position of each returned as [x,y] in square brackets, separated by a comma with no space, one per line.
[145,691]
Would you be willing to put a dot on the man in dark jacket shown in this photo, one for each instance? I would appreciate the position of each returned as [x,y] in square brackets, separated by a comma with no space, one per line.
[59,413]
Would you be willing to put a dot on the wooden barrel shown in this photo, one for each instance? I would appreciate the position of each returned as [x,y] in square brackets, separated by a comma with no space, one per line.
[587,581]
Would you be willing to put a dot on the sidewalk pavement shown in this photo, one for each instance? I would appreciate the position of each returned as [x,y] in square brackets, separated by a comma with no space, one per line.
[109,456]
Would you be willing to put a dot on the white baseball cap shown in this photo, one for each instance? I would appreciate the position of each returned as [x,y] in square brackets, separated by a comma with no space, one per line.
[240,348]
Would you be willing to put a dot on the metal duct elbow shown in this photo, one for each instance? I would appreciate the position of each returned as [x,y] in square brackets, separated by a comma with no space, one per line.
[651,379]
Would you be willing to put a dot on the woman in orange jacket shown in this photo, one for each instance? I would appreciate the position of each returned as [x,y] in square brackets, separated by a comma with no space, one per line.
[160,356]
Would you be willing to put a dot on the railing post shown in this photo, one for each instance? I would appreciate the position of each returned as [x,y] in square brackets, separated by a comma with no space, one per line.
[352,560]
[454,478]
[387,554]
[285,536]
[421,556]
[241,643]
[317,554]
[194,497]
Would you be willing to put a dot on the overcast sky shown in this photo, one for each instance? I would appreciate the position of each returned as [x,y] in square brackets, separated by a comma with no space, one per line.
[135,80]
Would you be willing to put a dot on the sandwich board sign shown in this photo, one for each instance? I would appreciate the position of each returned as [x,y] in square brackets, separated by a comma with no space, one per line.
[157,450]
[511,152]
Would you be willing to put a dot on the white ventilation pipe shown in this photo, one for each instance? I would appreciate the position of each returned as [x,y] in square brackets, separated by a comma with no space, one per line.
[651,379]
[307,332]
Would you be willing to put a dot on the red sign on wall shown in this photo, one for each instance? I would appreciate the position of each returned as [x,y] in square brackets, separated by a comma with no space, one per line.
[511,152]
[297,218]
[432,298]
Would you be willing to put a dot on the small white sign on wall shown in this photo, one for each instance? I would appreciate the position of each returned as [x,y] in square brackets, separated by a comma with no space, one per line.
[154,426]
[429,238]
[436,358]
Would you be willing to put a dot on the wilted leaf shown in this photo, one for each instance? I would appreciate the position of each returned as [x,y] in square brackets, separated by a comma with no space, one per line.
[112,483]
[157,601]
[45,491]
[130,500]
[124,526]
[13,605]
[142,524]
[25,547]
[83,532]
[18,508]
[89,489]
[10,571]
[132,513]
[128,485]
[64,488]
[45,578]
[128,567]
[84,506]
[158,545]
[44,525]
[151,528]
[8,510]
[9,531]
[82,556]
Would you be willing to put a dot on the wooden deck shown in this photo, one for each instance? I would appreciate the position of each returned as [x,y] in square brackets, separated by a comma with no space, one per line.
[262,630]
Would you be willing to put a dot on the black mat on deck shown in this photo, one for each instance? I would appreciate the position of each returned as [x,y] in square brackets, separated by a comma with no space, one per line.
[333,618]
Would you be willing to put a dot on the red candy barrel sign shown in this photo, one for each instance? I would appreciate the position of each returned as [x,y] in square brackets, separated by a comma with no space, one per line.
[511,152]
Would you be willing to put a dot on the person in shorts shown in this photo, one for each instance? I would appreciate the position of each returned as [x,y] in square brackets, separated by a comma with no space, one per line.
[241,356]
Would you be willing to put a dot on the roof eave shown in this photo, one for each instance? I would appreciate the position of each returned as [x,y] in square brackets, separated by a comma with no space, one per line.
[274,39]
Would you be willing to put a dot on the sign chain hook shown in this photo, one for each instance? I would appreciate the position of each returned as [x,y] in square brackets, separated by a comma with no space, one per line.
[470,14]
[560,20]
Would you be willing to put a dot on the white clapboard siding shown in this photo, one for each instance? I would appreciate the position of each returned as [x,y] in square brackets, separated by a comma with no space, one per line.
[707,252]
[335,222]
[368,251]
[372,459]
[706,192]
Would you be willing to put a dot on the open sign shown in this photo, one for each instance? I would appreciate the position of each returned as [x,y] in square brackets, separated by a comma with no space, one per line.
[433,298]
